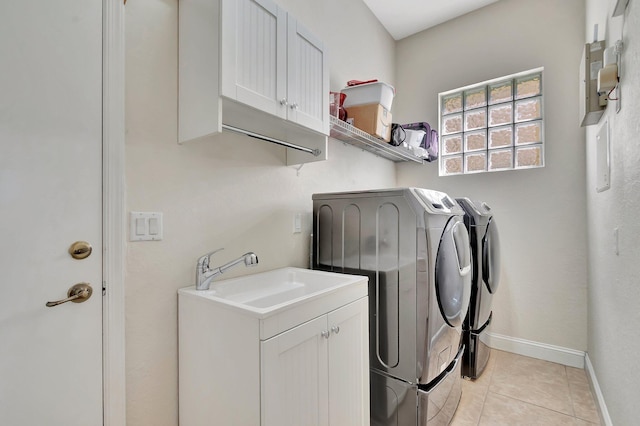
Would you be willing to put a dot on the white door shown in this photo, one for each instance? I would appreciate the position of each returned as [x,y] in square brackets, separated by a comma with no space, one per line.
[50,197]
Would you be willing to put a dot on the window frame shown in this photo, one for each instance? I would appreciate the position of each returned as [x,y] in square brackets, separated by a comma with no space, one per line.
[486,128]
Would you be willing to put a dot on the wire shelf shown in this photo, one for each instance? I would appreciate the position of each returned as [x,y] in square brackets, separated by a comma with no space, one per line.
[346,133]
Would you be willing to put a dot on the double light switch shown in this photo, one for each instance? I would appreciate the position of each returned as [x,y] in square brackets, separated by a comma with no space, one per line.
[145,226]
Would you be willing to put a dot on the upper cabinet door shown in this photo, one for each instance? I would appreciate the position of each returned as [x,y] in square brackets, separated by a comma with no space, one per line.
[308,79]
[254,58]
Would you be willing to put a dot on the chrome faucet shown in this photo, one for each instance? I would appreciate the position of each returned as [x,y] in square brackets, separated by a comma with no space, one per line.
[204,274]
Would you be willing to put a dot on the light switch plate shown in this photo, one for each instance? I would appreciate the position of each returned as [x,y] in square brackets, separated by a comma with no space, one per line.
[297,223]
[145,226]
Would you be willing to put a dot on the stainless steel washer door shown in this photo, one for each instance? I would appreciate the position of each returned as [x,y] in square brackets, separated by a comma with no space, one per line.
[453,272]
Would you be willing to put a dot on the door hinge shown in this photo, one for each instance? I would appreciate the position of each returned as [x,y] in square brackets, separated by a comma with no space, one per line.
[104,284]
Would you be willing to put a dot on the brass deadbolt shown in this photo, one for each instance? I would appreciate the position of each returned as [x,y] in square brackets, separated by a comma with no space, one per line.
[80,250]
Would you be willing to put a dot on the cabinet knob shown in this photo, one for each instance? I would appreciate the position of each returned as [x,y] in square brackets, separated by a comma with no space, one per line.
[335,329]
[325,334]
[283,101]
[294,105]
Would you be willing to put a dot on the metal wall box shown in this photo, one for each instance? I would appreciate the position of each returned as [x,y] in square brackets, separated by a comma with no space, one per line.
[592,105]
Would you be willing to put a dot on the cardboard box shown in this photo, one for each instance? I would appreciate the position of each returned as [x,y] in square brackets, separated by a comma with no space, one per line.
[372,118]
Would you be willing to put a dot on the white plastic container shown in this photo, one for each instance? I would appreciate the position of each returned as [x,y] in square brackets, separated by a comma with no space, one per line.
[369,93]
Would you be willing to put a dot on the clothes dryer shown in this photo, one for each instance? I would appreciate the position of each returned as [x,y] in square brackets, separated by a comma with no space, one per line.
[485,278]
[414,247]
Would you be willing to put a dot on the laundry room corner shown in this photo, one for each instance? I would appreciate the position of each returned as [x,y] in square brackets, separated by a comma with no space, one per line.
[541,212]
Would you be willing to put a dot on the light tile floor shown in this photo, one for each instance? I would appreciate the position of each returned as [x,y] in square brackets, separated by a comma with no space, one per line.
[517,390]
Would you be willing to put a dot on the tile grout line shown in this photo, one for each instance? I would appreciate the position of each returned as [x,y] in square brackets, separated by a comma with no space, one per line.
[536,405]
[573,406]
[573,402]
[567,384]
[484,398]
[540,406]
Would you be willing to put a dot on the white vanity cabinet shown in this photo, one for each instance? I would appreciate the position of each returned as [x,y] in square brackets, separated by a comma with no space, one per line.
[250,65]
[304,362]
[313,375]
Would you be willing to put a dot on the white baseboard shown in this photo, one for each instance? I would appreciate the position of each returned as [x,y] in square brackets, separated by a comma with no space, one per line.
[591,374]
[557,354]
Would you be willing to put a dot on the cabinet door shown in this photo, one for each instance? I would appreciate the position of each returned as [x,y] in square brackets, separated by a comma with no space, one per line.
[349,365]
[308,79]
[254,58]
[294,376]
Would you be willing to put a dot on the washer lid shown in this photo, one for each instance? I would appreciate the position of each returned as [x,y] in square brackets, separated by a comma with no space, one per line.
[491,257]
[453,272]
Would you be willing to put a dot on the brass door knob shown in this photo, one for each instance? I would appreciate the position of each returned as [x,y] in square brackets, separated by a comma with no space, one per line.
[80,250]
[76,294]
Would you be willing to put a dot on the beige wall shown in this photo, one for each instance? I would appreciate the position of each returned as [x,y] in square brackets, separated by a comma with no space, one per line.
[614,280]
[540,212]
[234,192]
[228,191]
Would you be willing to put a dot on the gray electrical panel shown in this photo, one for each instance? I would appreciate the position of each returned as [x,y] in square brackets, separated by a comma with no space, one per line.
[592,105]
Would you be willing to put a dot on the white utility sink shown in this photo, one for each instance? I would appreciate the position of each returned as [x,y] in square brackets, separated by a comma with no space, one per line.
[266,293]
[280,328]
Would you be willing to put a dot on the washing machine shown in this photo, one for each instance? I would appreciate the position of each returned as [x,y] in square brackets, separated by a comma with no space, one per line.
[485,278]
[414,247]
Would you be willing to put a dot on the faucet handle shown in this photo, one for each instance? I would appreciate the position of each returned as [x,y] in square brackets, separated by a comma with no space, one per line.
[203,261]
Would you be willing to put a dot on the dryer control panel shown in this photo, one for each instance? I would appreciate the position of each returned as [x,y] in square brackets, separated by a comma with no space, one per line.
[435,201]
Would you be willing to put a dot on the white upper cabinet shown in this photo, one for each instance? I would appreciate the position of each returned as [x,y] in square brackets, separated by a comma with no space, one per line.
[308,79]
[254,54]
[250,65]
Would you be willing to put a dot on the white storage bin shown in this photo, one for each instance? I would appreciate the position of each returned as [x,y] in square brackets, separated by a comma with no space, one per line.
[369,93]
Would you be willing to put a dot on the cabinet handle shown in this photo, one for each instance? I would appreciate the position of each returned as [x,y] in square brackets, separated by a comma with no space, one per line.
[325,334]
[283,101]
[335,329]
[294,105]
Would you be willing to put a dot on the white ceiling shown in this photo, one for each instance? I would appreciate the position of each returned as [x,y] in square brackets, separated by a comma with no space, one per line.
[403,18]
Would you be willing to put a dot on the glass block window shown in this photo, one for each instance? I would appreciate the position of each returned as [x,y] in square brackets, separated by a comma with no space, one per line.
[492,126]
